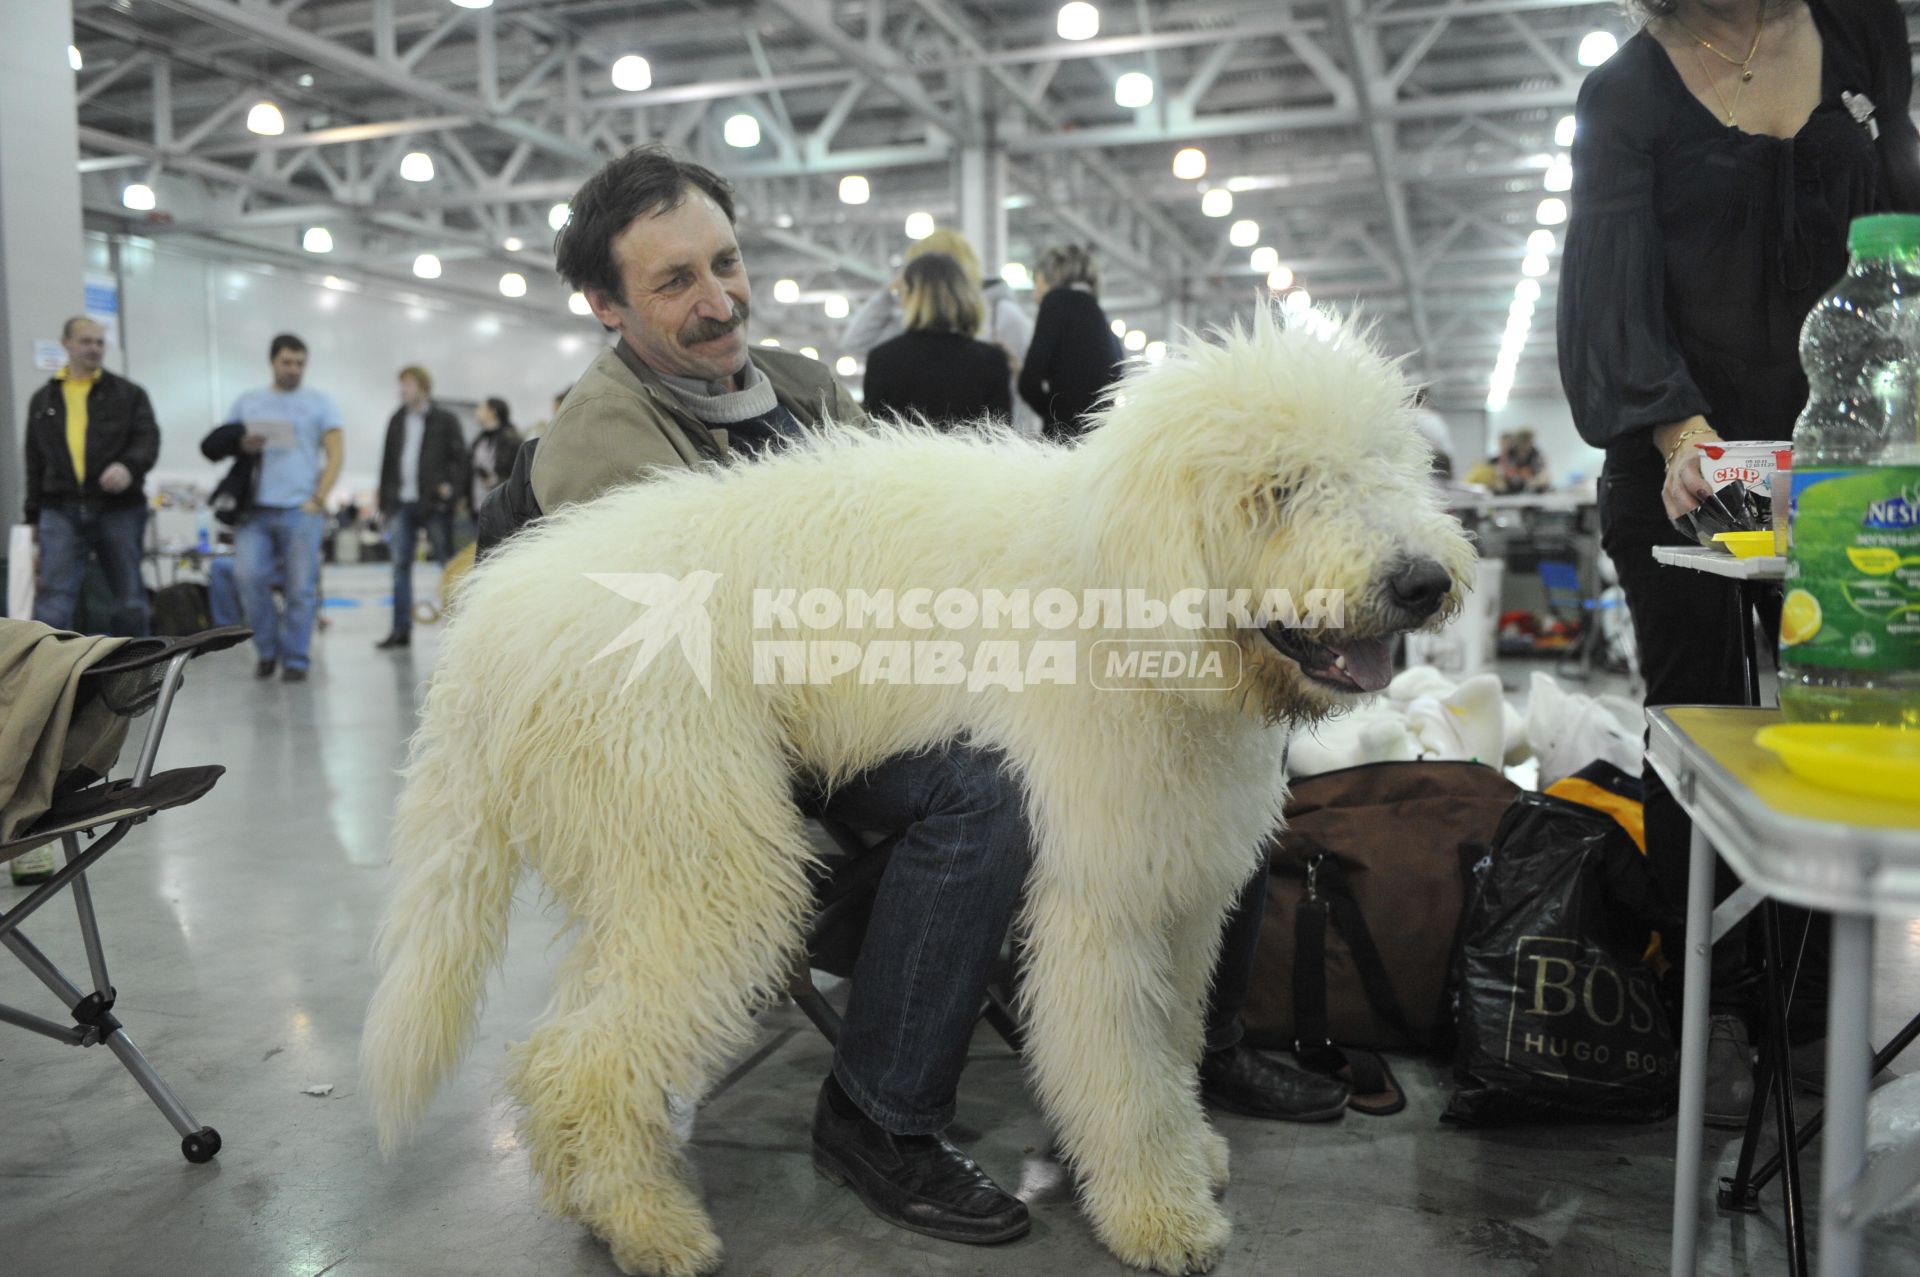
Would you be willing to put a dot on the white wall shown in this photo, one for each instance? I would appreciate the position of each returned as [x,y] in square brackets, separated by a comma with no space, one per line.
[196,332]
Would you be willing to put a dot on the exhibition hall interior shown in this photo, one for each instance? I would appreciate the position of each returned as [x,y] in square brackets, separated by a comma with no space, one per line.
[864,637]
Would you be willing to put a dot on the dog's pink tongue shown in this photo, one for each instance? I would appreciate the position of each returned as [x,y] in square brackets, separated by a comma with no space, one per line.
[1369,662]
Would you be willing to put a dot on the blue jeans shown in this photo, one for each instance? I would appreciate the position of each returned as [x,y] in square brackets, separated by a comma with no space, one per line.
[403,534]
[942,911]
[68,533]
[278,546]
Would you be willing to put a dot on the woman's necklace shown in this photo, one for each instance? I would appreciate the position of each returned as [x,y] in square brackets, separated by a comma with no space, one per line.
[1745,64]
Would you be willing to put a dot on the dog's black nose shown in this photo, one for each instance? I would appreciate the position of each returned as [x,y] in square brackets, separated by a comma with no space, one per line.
[1418,585]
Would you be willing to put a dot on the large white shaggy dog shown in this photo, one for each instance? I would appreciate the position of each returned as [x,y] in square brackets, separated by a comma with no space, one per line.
[661,816]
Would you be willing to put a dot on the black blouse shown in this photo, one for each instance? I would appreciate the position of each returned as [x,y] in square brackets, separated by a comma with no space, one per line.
[948,378]
[1695,249]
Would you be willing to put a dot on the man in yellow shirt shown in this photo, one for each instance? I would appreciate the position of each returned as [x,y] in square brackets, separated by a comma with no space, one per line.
[91,438]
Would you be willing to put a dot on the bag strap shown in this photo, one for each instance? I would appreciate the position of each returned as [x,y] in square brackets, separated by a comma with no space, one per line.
[1311,1044]
[1372,970]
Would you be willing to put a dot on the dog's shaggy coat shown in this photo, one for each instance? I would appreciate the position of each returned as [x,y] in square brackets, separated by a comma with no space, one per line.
[662,818]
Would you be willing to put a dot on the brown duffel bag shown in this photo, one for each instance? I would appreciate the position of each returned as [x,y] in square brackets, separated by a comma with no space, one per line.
[1365,891]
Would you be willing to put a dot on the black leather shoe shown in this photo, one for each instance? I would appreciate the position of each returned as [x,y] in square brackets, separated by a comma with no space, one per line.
[918,1182]
[264,669]
[1244,1081]
[392,641]
[292,675]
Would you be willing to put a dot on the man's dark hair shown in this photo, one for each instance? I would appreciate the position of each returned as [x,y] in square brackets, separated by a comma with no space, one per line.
[286,341]
[647,179]
[66,329]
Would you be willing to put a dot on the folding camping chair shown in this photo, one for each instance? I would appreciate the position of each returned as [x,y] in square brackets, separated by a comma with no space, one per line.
[143,675]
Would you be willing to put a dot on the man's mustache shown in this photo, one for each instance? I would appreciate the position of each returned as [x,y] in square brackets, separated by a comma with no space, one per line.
[708,329]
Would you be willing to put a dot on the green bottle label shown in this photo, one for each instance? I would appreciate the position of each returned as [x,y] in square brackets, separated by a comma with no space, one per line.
[1853,570]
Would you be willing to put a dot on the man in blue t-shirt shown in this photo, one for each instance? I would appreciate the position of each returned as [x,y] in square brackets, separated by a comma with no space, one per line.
[296,434]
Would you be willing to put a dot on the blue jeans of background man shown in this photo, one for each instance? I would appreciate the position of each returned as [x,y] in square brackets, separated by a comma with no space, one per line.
[941,914]
[275,545]
[68,534]
[403,534]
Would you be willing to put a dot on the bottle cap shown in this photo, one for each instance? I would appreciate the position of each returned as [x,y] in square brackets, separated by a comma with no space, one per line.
[1884,235]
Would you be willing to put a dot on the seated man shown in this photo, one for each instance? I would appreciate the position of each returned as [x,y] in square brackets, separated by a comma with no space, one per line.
[651,245]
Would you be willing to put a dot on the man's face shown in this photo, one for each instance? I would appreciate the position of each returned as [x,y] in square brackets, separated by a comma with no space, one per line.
[86,346]
[412,393]
[289,366]
[687,302]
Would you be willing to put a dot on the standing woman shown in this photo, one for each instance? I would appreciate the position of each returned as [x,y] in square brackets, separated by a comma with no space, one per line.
[1718,159]
[1074,355]
[490,460]
[935,369]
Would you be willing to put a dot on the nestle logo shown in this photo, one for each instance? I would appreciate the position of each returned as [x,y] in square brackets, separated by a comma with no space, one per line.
[1164,665]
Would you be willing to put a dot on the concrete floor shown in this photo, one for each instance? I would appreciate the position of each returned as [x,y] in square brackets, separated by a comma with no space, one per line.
[238,931]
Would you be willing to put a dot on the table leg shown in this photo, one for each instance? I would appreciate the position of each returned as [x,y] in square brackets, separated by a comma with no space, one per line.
[1843,1154]
[1691,1138]
[1749,645]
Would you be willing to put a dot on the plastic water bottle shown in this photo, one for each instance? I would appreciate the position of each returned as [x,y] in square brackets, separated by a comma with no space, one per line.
[1850,623]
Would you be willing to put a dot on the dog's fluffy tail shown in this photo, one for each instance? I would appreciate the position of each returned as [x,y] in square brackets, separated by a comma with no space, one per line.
[445,928]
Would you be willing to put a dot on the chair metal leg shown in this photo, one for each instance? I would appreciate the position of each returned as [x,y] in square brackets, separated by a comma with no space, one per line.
[1783,1093]
[800,988]
[89,927]
[152,1083]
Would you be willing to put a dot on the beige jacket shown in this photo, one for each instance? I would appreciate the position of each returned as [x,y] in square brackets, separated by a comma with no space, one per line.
[40,736]
[620,421]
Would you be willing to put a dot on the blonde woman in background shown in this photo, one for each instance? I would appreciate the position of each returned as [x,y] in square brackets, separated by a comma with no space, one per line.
[1003,323]
[1074,355]
[935,369]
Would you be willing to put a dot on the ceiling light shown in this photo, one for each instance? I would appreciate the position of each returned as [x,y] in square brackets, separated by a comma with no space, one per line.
[836,306]
[1135,340]
[1299,301]
[1015,273]
[513,284]
[1190,164]
[771,343]
[1242,183]
[266,120]
[1527,290]
[854,189]
[426,266]
[1551,212]
[786,291]
[1560,176]
[138,196]
[577,303]
[1156,351]
[473,4]
[741,130]
[1534,266]
[1265,258]
[73,56]
[810,352]
[1133,90]
[919,225]
[1217,202]
[337,284]
[1563,131]
[1279,279]
[306,80]
[1243,233]
[1497,399]
[1119,327]
[631,73]
[318,239]
[1078,21]
[417,166]
[1596,47]
[513,243]
[846,365]
[557,215]
[1540,242]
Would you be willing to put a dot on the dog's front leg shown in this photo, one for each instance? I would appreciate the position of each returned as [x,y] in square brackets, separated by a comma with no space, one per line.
[1112,1068]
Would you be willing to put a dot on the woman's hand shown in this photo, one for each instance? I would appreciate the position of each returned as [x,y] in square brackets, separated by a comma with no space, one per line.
[1686,486]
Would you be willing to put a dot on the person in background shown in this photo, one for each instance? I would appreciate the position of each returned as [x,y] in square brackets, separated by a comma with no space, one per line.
[1719,158]
[422,473]
[1003,323]
[1520,465]
[935,369]
[490,460]
[1074,356]
[296,433]
[90,440]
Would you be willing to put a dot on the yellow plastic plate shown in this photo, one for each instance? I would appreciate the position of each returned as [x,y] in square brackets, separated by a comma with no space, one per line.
[1747,545]
[1880,762]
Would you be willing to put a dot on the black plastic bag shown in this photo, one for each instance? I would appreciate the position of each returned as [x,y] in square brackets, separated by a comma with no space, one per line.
[1559,1015]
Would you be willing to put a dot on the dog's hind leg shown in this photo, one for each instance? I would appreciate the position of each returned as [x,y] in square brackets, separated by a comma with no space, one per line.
[1101,1040]
[690,896]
